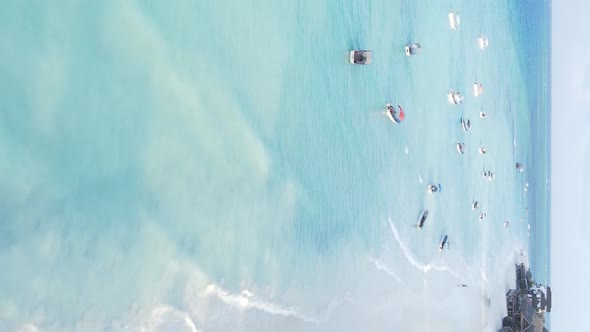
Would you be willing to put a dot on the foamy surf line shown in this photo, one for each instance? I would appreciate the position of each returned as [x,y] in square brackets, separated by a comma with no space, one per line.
[244,301]
[381,267]
[161,317]
[413,260]
[159,312]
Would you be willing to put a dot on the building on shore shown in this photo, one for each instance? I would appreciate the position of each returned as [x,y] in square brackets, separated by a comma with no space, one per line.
[527,304]
[512,304]
[521,277]
[506,329]
[541,296]
[530,319]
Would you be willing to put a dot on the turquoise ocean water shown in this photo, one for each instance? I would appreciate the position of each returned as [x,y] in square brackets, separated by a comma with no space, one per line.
[219,166]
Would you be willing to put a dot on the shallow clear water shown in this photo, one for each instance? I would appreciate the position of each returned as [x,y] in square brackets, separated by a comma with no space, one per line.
[219,166]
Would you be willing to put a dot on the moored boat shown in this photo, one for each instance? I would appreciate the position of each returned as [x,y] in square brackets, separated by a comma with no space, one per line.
[460,147]
[444,241]
[361,57]
[482,42]
[455,97]
[396,116]
[413,49]
[477,89]
[422,218]
[465,124]
[434,188]
[454,19]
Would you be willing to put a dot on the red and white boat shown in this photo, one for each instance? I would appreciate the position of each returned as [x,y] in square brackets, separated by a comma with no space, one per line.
[477,89]
[395,114]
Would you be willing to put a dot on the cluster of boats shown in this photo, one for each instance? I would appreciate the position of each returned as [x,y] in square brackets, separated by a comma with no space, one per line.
[396,115]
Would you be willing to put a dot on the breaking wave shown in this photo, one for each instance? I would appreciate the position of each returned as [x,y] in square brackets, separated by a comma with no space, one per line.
[413,260]
[246,301]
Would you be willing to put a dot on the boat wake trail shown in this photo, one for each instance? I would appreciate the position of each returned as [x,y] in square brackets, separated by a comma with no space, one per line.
[381,267]
[245,301]
[413,260]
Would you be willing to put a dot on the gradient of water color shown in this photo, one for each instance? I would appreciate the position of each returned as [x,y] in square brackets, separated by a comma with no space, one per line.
[219,166]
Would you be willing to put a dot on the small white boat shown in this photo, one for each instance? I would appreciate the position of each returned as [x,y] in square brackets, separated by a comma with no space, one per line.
[413,49]
[454,19]
[460,147]
[483,114]
[474,205]
[477,89]
[506,223]
[482,216]
[491,176]
[434,188]
[361,57]
[482,149]
[422,218]
[444,241]
[482,42]
[455,97]
[396,116]
[465,124]
[519,167]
